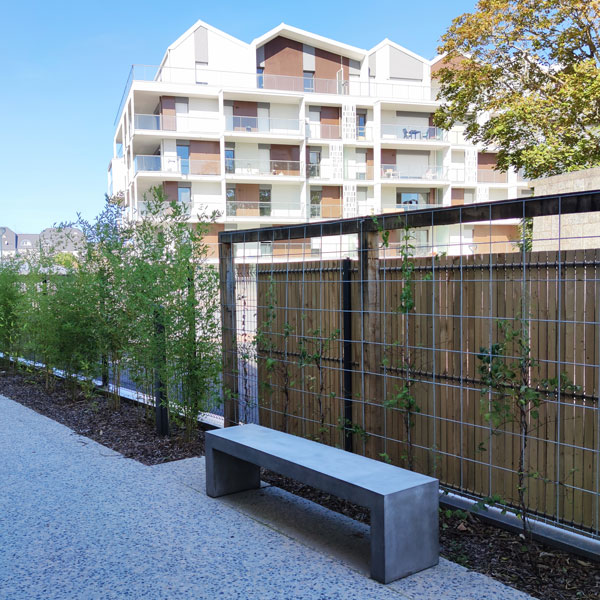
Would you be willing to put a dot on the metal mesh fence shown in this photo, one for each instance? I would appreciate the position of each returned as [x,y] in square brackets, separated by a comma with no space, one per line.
[461,342]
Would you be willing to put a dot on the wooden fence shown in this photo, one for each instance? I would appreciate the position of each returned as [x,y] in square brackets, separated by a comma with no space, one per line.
[303,388]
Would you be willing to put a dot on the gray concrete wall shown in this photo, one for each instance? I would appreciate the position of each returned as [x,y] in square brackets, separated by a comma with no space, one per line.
[576,231]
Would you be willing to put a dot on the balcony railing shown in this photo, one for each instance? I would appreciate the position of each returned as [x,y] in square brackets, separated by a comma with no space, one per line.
[286,83]
[238,208]
[432,173]
[180,166]
[235,166]
[491,176]
[260,124]
[323,131]
[413,132]
[359,172]
[185,123]
[319,171]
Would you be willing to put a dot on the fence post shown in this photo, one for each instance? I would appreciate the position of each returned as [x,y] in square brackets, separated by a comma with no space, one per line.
[368,251]
[347,352]
[162,411]
[229,334]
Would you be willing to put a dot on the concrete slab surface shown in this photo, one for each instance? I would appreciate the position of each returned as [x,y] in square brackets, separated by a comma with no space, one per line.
[78,520]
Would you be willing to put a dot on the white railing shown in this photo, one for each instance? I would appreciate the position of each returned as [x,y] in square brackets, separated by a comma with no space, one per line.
[287,83]
[323,131]
[429,173]
[262,124]
[491,176]
[180,166]
[239,208]
[319,171]
[241,166]
[413,132]
[359,172]
[184,123]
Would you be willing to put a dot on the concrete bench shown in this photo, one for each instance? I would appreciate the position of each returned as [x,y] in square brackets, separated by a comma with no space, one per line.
[403,504]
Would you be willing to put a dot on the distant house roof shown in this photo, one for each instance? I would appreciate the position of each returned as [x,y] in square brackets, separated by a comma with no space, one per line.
[66,239]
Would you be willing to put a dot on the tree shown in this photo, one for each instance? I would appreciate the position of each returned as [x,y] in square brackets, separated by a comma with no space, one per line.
[524,77]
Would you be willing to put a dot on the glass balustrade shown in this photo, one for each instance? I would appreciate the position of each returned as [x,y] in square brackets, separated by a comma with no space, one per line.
[395,172]
[413,132]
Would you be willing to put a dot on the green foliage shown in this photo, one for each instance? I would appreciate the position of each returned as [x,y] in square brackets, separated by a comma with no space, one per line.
[524,76]
[312,350]
[11,306]
[95,312]
[509,394]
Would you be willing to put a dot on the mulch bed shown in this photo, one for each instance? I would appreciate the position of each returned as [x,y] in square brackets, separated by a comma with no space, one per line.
[532,567]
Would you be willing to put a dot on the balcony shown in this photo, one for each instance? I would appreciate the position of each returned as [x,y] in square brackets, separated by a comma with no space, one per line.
[323,131]
[429,173]
[359,172]
[259,167]
[279,83]
[263,124]
[279,210]
[181,123]
[491,176]
[413,133]
[320,171]
[179,166]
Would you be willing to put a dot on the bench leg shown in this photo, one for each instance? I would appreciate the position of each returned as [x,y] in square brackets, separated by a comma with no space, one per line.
[226,474]
[404,533]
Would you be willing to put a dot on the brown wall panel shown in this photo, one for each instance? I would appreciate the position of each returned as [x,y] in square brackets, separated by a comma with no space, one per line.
[170,189]
[245,109]
[331,202]
[330,115]
[283,57]
[204,157]
[458,196]
[167,111]
[388,156]
[486,160]
[327,64]
[247,192]
[286,159]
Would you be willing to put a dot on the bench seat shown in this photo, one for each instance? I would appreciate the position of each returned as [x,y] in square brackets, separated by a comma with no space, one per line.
[403,504]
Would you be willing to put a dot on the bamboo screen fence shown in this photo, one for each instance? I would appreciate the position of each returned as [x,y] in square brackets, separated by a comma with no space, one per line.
[326,349]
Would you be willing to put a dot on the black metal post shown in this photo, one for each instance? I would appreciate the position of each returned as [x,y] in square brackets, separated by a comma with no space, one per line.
[162,411]
[347,351]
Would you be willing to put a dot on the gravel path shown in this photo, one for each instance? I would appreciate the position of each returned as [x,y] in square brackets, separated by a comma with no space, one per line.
[77,520]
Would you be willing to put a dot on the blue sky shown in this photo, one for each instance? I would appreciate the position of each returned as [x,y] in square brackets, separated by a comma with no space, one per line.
[65,65]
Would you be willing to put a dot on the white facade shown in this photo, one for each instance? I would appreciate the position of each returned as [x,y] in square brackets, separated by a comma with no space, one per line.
[294,127]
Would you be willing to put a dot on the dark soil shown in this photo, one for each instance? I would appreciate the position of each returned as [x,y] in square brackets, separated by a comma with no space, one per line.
[130,431]
[532,567]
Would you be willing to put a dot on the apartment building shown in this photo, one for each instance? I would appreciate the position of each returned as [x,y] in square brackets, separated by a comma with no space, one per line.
[295,127]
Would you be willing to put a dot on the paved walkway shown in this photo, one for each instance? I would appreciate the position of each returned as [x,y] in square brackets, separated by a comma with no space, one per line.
[77,520]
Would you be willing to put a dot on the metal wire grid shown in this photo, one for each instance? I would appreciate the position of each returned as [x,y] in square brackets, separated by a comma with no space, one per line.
[295,267]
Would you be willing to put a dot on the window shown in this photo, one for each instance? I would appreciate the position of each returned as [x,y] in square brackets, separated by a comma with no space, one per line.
[266,248]
[260,77]
[361,125]
[184,196]
[411,198]
[229,158]
[264,199]
[316,197]
[314,162]
[230,203]
[309,81]
[183,157]
[26,243]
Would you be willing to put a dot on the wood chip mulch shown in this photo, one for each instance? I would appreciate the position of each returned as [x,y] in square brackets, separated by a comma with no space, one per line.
[539,570]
